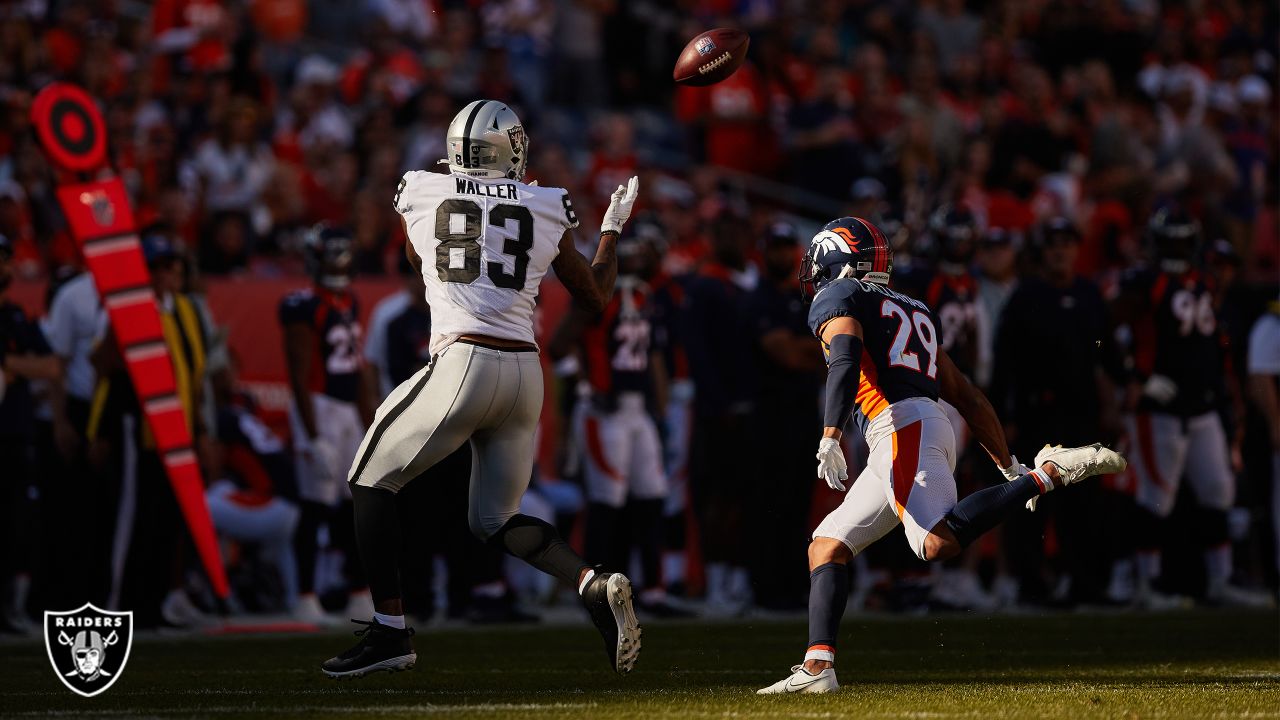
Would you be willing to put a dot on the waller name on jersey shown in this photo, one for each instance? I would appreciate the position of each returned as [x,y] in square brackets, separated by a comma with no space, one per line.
[470,187]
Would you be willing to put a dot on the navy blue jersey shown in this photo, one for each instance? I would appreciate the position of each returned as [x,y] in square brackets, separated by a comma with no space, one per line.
[336,357]
[900,343]
[667,307]
[768,309]
[954,299]
[1176,335]
[618,345]
[408,343]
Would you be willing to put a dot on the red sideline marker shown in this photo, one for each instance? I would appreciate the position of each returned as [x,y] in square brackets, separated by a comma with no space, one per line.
[71,131]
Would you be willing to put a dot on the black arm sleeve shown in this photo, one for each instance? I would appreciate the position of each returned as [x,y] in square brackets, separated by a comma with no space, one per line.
[844,362]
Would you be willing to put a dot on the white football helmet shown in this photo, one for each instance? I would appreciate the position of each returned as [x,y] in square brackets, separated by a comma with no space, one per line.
[486,140]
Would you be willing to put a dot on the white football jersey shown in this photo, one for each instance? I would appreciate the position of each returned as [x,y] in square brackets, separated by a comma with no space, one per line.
[485,245]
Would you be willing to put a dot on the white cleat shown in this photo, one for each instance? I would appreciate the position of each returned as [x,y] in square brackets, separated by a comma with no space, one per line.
[961,590]
[308,610]
[802,681]
[1154,601]
[1227,595]
[1076,464]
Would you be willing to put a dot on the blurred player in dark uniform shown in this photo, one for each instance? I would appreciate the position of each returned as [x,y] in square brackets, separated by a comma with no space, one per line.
[886,368]
[784,421]
[331,405]
[613,424]
[716,345]
[1063,390]
[952,293]
[1177,373]
[24,356]
[668,304]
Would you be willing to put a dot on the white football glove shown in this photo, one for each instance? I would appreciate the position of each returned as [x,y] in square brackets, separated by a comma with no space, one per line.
[831,465]
[1160,388]
[324,460]
[1015,471]
[620,204]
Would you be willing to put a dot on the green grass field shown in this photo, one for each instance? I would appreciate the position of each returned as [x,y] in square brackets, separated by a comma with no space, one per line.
[1186,665]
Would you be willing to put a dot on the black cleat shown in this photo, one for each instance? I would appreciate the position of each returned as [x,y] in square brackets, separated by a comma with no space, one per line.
[608,599]
[380,648]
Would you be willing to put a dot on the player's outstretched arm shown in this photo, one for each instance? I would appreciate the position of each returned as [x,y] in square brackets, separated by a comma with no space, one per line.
[592,286]
[974,407]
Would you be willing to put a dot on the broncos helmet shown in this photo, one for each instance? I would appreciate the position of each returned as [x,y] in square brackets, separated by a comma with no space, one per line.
[955,231]
[486,140]
[1173,238]
[849,247]
[329,254]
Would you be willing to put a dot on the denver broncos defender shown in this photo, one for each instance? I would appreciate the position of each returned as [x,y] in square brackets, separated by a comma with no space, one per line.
[327,418]
[613,429]
[885,359]
[1178,369]
[482,240]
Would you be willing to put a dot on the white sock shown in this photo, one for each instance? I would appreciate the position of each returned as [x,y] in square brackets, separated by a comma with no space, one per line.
[1148,563]
[673,566]
[1042,480]
[395,621]
[586,580]
[1217,565]
[717,576]
[820,652]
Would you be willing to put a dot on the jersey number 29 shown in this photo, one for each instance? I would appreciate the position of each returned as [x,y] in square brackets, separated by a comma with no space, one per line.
[899,355]
[458,254]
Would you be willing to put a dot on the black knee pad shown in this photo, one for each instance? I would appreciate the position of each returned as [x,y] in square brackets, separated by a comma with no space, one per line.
[537,543]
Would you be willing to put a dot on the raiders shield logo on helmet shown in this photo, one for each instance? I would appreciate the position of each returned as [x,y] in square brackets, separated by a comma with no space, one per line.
[88,647]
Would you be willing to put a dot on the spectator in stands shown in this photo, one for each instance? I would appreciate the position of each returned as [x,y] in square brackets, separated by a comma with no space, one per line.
[233,167]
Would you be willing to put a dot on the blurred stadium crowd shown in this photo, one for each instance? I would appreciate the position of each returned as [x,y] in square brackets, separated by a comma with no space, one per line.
[1029,160]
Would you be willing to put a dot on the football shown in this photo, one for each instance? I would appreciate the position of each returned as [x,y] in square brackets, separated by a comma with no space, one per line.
[711,57]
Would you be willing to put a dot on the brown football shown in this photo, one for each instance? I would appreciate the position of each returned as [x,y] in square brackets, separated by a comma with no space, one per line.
[711,57]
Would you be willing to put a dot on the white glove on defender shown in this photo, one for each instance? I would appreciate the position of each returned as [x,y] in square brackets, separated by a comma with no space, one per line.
[1015,471]
[831,465]
[324,460]
[620,204]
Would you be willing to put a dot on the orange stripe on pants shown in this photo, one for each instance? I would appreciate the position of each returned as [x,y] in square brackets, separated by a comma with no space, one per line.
[906,460]
[596,449]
